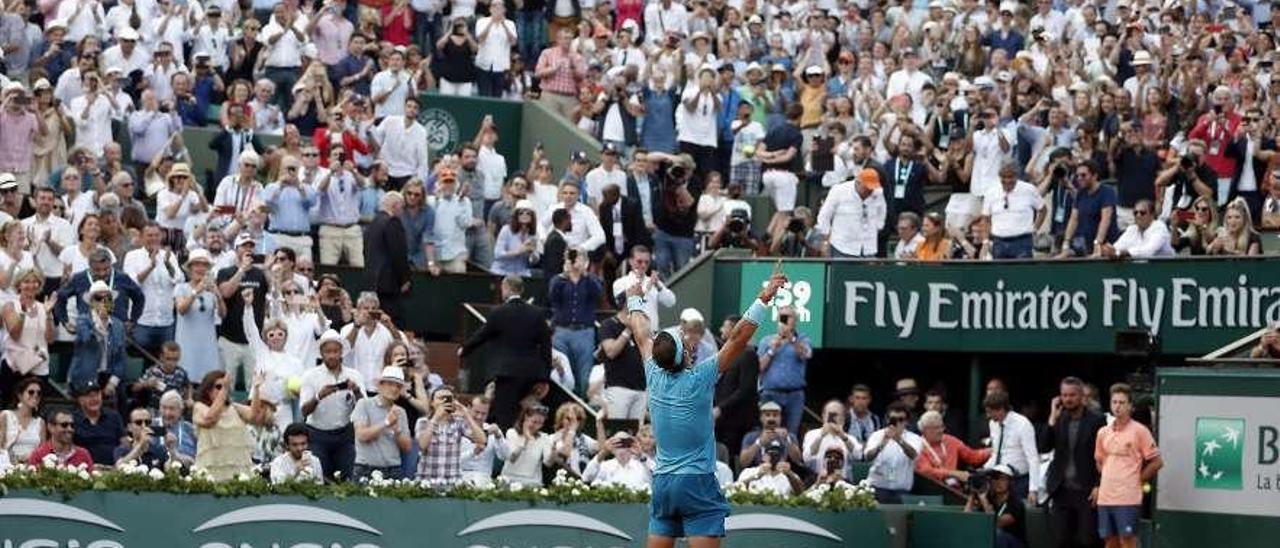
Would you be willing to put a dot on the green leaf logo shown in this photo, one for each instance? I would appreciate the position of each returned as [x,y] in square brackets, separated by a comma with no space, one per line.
[1219,453]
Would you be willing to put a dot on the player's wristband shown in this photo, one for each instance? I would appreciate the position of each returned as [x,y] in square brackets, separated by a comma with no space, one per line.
[756,312]
[635,304]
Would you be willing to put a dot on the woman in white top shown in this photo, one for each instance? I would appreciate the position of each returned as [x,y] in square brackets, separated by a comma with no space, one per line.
[76,257]
[530,448]
[571,449]
[272,358]
[711,212]
[180,199]
[21,428]
[29,324]
[14,256]
[303,319]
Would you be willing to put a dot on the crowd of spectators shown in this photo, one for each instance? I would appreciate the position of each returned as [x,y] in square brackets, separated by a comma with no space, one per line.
[924,131]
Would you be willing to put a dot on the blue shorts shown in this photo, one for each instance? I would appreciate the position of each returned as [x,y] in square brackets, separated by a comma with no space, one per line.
[1118,521]
[687,505]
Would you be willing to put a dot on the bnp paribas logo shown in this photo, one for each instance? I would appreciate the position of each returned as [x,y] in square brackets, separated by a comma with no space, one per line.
[1219,453]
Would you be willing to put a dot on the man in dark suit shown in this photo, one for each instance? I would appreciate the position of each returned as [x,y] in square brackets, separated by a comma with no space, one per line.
[386,256]
[234,139]
[129,299]
[553,249]
[615,206]
[519,350]
[642,186]
[1072,481]
[736,395]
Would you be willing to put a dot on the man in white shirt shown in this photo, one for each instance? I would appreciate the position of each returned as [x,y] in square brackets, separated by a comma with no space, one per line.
[391,87]
[91,114]
[909,235]
[47,235]
[496,35]
[83,18]
[696,115]
[126,54]
[851,217]
[609,172]
[70,83]
[892,452]
[664,17]
[403,145]
[1146,237]
[159,72]
[328,396]
[491,165]
[773,475]
[477,462]
[156,271]
[656,293]
[585,234]
[282,40]
[991,144]
[624,469]
[237,192]
[1016,209]
[831,435]
[368,336]
[1013,442]
[296,463]
[908,79]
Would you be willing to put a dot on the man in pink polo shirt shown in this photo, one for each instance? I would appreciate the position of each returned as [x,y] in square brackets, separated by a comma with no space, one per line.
[1127,456]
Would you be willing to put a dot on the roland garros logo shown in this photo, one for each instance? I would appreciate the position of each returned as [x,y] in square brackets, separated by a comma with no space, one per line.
[570,520]
[442,130]
[43,509]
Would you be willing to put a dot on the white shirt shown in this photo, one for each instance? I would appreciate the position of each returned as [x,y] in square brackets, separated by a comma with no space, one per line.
[813,460]
[385,81]
[634,474]
[696,127]
[494,54]
[231,193]
[654,295]
[1013,442]
[404,149]
[93,132]
[891,468]
[987,155]
[1152,242]
[83,24]
[910,83]
[165,198]
[287,52]
[60,234]
[658,21]
[334,411]
[776,483]
[1012,213]
[906,249]
[157,310]
[477,468]
[284,469]
[366,354]
[114,57]
[599,177]
[586,233]
[851,221]
[493,167]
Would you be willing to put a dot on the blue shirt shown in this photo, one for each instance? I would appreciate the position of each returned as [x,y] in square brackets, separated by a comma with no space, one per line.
[1089,210]
[658,130]
[418,227]
[680,407]
[370,200]
[728,111]
[574,303]
[1011,43]
[786,369]
[449,231]
[290,207]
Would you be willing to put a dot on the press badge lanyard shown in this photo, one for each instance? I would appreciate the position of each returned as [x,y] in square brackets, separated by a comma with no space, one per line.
[900,179]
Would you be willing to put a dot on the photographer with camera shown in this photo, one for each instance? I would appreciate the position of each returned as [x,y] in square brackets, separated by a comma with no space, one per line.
[989,493]
[1187,177]
[831,435]
[834,469]
[754,442]
[369,335]
[440,437]
[1216,128]
[142,444]
[892,452]
[624,469]
[737,234]
[296,463]
[774,473]
[797,238]
[328,395]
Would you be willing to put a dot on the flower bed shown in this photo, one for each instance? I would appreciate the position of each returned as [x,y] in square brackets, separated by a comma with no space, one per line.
[68,481]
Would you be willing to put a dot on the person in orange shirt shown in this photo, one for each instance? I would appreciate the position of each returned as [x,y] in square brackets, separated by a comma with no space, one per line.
[1127,457]
[942,454]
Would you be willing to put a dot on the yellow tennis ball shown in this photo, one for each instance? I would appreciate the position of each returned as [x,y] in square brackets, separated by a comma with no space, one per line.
[294,385]
[1146,487]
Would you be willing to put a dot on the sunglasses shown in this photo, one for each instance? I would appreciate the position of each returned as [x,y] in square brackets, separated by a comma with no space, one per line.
[413,193]
[101,298]
[305,269]
[291,169]
[1202,208]
[32,392]
[310,154]
[140,422]
[1142,212]
[292,292]
[64,424]
[219,386]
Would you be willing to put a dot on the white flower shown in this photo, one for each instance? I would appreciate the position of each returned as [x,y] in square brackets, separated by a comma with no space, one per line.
[376,475]
[575,493]
[515,486]
[84,474]
[543,492]
[242,476]
[156,474]
[50,460]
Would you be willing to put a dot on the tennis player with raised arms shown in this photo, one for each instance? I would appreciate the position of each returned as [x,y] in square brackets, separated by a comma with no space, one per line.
[686,500]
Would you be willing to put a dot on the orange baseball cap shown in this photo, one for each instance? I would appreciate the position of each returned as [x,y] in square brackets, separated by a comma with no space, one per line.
[870,178]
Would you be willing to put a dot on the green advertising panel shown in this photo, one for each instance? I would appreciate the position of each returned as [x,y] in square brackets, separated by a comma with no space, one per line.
[451,121]
[155,520]
[1075,307]
[805,291]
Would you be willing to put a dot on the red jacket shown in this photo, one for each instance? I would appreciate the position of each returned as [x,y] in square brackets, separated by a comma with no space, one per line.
[79,455]
[934,459]
[1216,136]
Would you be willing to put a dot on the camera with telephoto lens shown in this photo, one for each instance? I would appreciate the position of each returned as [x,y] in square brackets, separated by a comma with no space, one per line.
[773,452]
[796,225]
[1189,161]
[979,482]
[1060,171]
[737,221]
